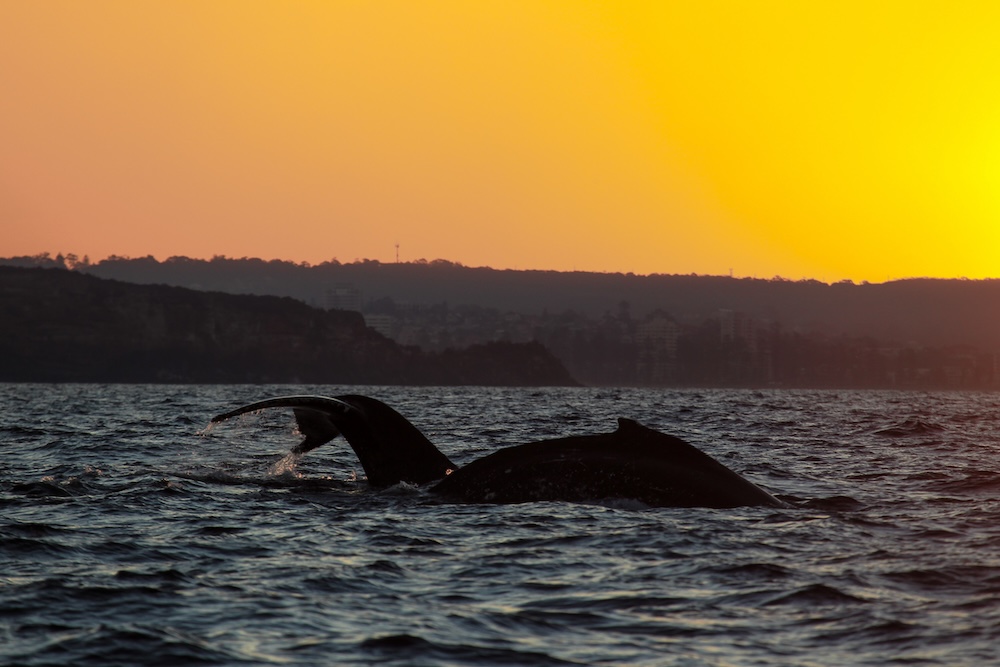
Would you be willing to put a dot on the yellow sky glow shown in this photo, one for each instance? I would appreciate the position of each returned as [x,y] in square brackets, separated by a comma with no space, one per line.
[808,140]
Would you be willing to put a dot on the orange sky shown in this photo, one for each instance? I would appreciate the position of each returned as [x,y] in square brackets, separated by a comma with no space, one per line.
[824,140]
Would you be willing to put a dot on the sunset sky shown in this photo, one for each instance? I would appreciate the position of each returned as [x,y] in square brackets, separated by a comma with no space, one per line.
[827,140]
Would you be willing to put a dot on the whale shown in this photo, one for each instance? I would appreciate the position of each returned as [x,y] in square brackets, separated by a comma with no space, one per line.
[633,462]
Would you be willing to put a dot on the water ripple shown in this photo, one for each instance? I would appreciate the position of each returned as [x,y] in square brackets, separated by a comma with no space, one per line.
[130,534]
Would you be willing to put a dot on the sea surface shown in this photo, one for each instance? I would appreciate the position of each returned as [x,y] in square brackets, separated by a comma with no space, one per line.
[133,534]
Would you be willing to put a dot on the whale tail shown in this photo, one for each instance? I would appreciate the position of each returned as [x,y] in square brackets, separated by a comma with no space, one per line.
[389,447]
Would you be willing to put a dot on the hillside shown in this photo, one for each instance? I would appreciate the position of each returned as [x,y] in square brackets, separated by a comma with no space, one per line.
[922,311]
[58,326]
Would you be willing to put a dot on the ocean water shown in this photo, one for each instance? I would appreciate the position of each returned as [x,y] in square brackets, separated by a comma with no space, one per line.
[132,534]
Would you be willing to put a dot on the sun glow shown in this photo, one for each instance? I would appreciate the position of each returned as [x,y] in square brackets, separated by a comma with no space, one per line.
[823,140]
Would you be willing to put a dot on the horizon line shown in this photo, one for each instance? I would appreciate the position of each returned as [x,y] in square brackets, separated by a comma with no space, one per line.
[72,261]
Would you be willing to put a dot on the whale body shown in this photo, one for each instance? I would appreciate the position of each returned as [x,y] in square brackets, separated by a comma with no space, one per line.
[633,462]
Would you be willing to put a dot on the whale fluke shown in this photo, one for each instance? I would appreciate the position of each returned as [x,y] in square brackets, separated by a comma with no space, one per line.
[389,448]
[634,462]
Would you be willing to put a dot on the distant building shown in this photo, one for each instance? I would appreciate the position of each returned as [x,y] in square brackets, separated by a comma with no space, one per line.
[734,325]
[343,296]
[656,338]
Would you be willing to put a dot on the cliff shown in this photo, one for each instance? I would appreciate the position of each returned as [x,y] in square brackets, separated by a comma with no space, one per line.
[65,326]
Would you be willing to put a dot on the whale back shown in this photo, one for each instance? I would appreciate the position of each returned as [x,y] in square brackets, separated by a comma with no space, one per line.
[634,462]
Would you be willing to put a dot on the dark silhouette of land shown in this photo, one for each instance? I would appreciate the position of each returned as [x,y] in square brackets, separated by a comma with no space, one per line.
[624,329]
[65,326]
[924,311]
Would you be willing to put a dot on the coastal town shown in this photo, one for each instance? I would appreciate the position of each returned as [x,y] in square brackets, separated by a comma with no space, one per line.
[725,349]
